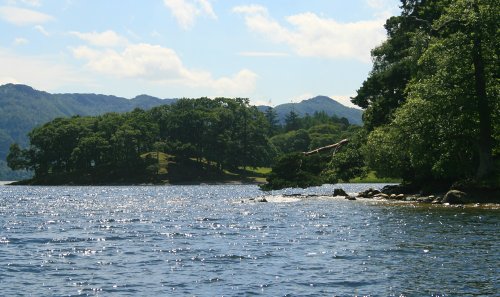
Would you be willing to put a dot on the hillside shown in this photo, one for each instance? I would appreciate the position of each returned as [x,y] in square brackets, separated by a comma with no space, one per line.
[319,103]
[22,108]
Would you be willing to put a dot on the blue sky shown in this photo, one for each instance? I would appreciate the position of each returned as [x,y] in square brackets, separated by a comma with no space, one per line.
[273,51]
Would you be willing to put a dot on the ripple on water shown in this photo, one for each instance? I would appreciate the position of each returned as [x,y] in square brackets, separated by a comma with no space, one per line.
[201,240]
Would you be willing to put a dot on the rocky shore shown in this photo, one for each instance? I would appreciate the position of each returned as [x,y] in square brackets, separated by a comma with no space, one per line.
[401,193]
[452,196]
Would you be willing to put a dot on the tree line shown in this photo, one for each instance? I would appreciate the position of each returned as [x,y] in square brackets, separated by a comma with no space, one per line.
[211,134]
[432,108]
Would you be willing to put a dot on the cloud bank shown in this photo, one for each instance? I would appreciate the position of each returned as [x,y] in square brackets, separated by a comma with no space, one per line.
[310,35]
[154,63]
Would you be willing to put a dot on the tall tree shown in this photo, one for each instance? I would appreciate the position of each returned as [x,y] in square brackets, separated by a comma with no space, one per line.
[395,60]
[292,121]
[272,120]
[444,130]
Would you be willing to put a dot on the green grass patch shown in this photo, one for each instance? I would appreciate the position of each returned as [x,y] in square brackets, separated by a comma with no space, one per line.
[162,161]
[371,177]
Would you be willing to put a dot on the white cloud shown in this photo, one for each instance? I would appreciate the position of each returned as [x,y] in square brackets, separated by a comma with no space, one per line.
[314,36]
[345,100]
[158,64]
[137,61]
[103,39]
[186,11]
[240,84]
[301,97]
[28,69]
[206,8]
[22,16]
[20,41]
[7,80]
[42,30]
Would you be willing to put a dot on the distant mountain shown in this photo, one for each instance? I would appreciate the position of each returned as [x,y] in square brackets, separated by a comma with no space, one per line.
[316,104]
[22,108]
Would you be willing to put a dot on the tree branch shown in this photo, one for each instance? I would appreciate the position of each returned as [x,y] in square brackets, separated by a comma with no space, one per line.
[335,146]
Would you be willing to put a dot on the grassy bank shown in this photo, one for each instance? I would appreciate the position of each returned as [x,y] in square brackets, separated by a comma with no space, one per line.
[371,177]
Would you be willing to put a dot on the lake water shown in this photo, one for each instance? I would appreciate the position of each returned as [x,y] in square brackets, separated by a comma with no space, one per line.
[212,241]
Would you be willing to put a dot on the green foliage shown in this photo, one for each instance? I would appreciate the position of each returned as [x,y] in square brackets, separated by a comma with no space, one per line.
[293,141]
[272,121]
[295,170]
[325,134]
[317,130]
[442,122]
[371,177]
[227,133]
[395,61]
[17,158]
[386,154]
[23,108]
[348,162]
[292,121]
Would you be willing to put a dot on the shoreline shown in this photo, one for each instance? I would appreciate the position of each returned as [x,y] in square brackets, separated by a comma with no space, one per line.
[392,193]
[196,183]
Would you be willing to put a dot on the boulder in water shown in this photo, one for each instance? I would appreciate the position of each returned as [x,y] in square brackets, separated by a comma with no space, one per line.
[455,197]
[340,192]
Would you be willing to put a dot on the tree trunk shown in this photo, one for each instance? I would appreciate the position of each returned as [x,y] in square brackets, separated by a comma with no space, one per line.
[483,107]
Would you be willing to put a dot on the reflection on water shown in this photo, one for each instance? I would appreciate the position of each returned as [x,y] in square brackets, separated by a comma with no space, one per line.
[203,241]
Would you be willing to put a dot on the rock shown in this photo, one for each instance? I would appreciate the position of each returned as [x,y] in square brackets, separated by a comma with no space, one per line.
[381,196]
[426,199]
[262,199]
[392,196]
[455,197]
[368,193]
[400,196]
[350,198]
[340,192]
[399,189]
[437,200]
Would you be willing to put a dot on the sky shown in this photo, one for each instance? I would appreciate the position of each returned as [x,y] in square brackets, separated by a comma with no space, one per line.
[270,51]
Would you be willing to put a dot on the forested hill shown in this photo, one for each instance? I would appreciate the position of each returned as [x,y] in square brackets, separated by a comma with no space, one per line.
[22,108]
[316,104]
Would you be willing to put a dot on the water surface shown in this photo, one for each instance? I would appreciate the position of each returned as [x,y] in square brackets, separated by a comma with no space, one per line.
[211,241]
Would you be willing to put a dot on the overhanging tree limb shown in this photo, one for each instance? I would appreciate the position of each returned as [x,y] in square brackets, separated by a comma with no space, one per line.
[335,146]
